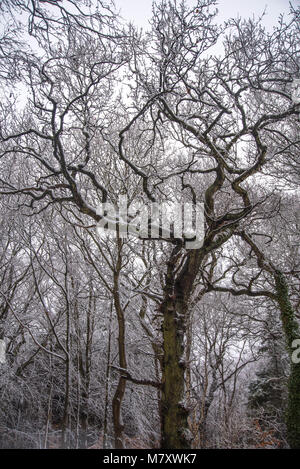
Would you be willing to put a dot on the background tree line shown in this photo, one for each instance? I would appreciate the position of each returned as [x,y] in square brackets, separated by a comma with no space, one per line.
[140,342]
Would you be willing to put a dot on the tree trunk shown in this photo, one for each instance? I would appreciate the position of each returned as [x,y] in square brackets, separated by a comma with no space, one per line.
[202,426]
[107,381]
[117,418]
[291,330]
[174,417]
[120,391]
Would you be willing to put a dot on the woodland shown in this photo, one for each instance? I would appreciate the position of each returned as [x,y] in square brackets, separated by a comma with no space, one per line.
[120,342]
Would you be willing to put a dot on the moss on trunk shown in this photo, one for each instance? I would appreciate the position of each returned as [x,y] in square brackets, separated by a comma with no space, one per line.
[173,413]
[291,330]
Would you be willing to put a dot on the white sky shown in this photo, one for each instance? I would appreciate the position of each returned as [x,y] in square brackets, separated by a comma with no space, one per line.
[139,11]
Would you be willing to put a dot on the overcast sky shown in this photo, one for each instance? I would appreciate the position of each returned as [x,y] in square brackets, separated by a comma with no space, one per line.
[139,11]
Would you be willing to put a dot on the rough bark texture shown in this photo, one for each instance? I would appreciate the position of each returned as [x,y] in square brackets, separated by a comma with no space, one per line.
[174,414]
[291,330]
[175,309]
[175,429]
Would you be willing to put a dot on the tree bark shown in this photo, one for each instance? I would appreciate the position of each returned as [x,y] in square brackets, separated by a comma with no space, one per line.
[291,331]
[121,387]
[107,379]
[174,417]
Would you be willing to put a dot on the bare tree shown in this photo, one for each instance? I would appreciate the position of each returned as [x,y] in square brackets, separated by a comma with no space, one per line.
[197,126]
